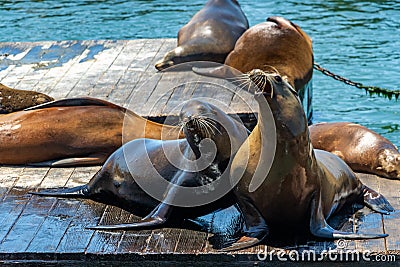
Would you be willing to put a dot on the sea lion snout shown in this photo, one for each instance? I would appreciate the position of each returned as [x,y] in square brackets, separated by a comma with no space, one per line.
[264,81]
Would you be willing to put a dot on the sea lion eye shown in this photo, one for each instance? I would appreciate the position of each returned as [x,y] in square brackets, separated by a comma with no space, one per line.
[278,79]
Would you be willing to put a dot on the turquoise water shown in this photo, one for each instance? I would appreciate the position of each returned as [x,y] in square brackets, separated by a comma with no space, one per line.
[357,39]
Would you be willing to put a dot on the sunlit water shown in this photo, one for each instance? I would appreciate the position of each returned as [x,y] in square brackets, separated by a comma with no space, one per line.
[357,39]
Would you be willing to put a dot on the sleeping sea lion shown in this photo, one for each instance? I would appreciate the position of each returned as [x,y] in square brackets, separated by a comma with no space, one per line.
[303,186]
[72,132]
[362,149]
[209,36]
[12,100]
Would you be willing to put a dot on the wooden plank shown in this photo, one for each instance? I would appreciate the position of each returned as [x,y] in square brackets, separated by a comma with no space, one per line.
[108,242]
[12,63]
[143,61]
[9,176]
[32,63]
[29,216]
[103,61]
[391,190]
[134,241]
[130,77]
[59,82]
[166,45]
[77,237]
[111,76]
[16,227]
[370,222]
[56,50]
[53,228]
[137,102]
[163,240]
[55,74]
[191,242]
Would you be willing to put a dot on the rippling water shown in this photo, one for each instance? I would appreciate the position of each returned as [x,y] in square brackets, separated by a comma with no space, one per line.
[357,39]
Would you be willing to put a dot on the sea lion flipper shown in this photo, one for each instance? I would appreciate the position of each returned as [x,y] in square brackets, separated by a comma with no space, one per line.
[150,223]
[95,159]
[254,229]
[242,243]
[223,72]
[74,192]
[155,219]
[320,228]
[68,102]
[376,201]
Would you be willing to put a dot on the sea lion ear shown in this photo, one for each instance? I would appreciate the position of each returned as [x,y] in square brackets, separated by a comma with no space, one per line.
[285,78]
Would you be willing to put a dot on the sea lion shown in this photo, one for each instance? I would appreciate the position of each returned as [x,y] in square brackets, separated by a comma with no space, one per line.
[362,149]
[12,100]
[277,44]
[130,176]
[304,186]
[71,132]
[209,36]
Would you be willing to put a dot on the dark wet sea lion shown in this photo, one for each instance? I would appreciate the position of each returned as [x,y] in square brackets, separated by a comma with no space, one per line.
[12,100]
[279,45]
[70,132]
[303,187]
[362,149]
[209,36]
[130,176]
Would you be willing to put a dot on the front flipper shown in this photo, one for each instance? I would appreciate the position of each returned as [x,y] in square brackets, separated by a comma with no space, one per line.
[92,160]
[254,229]
[320,228]
[78,101]
[157,218]
[75,192]
[376,201]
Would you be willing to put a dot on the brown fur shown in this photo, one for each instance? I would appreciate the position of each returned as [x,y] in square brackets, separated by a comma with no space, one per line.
[362,149]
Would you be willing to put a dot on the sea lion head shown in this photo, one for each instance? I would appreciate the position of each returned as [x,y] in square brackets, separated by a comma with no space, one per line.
[282,98]
[201,120]
[277,42]
[271,84]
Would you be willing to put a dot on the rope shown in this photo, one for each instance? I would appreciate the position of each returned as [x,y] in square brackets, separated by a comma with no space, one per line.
[372,90]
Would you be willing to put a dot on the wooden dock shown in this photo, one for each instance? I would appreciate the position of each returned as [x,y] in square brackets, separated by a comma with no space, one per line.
[50,231]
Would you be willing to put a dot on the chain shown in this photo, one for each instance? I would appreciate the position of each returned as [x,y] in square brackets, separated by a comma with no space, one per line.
[369,89]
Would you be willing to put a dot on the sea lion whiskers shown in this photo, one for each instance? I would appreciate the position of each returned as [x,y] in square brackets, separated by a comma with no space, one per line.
[242,82]
[209,130]
[211,123]
[260,79]
[274,70]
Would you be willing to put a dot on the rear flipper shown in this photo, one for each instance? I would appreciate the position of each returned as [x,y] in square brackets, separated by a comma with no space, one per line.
[75,192]
[254,230]
[91,160]
[320,228]
[376,201]
[157,218]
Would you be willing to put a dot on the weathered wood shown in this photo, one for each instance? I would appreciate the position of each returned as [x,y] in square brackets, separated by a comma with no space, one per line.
[391,189]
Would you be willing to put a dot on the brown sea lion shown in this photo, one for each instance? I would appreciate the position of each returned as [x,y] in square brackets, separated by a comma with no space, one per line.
[304,186]
[71,132]
[12,100]
[209,36]
[141,177]
[362,149]
[277,44]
